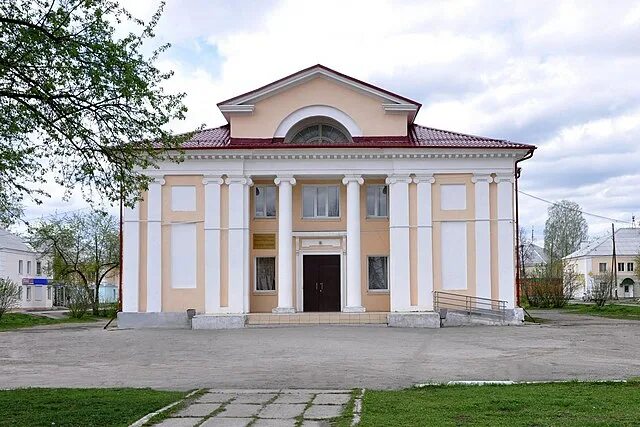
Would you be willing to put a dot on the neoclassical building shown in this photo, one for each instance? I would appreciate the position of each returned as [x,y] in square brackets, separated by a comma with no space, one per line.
[321,194]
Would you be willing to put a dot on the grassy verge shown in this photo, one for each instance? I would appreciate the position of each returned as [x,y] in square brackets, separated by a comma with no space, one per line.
[550,404]
[175,409]
[610,310]
[80,407]
[22,320]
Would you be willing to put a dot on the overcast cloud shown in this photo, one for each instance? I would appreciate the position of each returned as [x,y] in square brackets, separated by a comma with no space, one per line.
[558,74]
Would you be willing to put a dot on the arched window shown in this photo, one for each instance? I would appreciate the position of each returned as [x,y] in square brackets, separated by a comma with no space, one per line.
[318,132]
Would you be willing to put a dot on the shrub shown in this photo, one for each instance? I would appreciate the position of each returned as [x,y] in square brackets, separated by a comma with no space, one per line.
[78,301]
[9,295]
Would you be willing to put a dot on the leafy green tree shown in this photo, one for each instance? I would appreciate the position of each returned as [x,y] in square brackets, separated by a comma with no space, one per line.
[564,229]
[85,249]
[79,102]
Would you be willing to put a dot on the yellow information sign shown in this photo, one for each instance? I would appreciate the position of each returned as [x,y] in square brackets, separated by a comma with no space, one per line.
[264,241]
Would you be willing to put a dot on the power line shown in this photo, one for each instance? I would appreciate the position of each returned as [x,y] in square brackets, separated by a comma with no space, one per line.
[573,209]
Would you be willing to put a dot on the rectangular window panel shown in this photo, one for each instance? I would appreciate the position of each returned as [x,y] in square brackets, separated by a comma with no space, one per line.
[629,266]
[378,273]
[28,293]
[308,202]
[377,200]
[260,201]
[320,201]
[49,292]
[334,203]
[270,196]
[28,267]
[183,256]
[453,197]
[20,267]
[266,274]
[183,198]
[602,267]
[38,268]
[454,255]
[621,266]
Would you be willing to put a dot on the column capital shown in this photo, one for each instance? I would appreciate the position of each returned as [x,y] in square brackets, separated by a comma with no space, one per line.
[426,178]
[398,178]
[157,179]
[212,179]
[285,178]
[352,178]
[481,177]
[238,179]
[503,177]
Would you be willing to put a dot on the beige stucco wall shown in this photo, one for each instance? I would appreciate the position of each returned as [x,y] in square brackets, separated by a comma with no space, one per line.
[182,299]
[466,215]
[365,110]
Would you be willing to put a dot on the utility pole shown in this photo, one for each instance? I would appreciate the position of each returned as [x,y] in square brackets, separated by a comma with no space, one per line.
[614,267]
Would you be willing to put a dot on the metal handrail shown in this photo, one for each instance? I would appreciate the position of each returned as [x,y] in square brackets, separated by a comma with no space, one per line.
[469,304]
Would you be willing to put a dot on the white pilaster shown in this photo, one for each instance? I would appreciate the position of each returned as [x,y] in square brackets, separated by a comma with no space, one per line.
[506,270]
[399,242]
[424,254]
[131,258]
[212,243]
[285,242]
[354,255]
[238,243]
[154,245]
[483,235]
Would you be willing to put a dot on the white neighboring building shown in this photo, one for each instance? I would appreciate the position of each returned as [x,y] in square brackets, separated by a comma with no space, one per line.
[597,258]
[24,266]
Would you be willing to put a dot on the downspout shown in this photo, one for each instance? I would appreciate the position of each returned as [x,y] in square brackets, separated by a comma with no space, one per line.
[516,173]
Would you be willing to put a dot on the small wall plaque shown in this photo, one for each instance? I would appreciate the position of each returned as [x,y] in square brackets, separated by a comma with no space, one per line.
[264,241]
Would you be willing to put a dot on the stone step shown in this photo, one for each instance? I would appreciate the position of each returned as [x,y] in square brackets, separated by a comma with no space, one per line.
[331,318]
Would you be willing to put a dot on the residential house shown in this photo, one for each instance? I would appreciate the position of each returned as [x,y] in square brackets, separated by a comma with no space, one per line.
[534,259]
[27,268]
[597,258]
[321,194]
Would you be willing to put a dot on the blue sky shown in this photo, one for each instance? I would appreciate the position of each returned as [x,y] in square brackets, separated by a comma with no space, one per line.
[558,74]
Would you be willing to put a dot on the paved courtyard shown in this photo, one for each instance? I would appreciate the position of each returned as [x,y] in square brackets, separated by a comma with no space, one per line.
[318,357]
[261,408]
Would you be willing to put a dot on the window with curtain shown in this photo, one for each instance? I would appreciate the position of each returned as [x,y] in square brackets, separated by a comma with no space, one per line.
[320,201]
[378,273]
[265,274]
[377,201]
[265,201]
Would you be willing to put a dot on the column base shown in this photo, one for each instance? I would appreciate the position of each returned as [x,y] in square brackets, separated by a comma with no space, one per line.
[283,310]
[355,309]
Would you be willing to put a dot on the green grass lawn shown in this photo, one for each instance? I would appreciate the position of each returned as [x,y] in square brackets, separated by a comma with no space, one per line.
[615,311]
[550,404]
[80,407]
[22,320]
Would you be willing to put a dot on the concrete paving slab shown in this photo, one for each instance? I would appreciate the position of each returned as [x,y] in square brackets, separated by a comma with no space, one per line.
[239,410]
[227,422]
[179,422]
[216,397]
[198,410]
[315,423]
[260,398]
[282,410]
[294,398]
[331,399]
[316,412]
[274,423]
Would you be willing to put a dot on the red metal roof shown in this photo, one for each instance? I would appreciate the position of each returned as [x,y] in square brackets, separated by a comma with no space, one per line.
[419,137]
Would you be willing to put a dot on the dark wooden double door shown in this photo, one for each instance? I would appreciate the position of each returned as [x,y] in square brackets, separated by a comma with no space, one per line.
[321,282]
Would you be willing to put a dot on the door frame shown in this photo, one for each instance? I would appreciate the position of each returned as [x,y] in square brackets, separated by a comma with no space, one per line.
[311,246]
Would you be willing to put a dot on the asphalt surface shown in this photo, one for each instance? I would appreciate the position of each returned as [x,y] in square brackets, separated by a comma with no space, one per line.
[564,347]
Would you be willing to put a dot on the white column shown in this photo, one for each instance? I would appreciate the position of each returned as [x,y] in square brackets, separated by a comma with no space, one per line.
[131,258]
[399,242]
[212,243]
[238,243]
[154,245]
[483,235]
[285,244]
[424,255]
[354,255]
[506,252]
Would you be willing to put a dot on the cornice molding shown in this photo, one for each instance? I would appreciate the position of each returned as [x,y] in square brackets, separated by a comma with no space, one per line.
[340,156]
